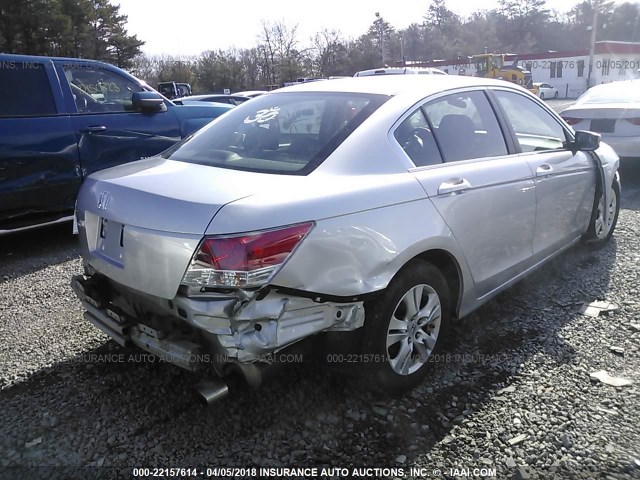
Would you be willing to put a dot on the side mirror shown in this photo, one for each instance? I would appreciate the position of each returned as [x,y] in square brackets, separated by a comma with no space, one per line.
[148,102]
[586,141]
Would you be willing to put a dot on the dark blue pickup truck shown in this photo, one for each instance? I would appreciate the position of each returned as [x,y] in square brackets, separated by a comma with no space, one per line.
[62,119]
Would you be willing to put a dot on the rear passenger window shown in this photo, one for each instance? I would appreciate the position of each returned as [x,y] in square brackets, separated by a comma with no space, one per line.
[465,127]
[25,91]
[535,128]
[416,139]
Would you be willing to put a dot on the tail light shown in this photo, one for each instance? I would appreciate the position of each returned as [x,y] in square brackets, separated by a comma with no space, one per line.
[243,260]
[634,121]
[571,120]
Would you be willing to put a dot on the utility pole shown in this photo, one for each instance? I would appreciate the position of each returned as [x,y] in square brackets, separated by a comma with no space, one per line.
[378,23]
[592,46]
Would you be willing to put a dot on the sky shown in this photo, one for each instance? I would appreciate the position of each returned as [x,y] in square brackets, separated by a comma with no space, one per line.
[189,27]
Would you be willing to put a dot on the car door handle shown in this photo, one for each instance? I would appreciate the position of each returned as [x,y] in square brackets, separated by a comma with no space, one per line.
[453,185]
[544,170]
[93,129]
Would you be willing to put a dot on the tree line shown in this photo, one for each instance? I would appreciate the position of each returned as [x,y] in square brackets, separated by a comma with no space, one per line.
[67,28]
[96,29]
[516,26]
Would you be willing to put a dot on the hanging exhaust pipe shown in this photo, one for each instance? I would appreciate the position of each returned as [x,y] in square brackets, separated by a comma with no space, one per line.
[211,390]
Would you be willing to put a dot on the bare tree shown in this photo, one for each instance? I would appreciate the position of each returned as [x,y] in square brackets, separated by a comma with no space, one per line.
[278,48]
[517,26]
[328,54]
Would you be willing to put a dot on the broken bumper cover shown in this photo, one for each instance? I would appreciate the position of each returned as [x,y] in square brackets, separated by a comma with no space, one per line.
[234,329]
[126,331]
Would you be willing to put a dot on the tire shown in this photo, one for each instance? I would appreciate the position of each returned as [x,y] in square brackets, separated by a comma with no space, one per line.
[398,344]
[541,96]
[555,95]
[598,233]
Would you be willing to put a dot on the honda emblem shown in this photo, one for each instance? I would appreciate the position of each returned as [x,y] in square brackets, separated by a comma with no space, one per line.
[103,202]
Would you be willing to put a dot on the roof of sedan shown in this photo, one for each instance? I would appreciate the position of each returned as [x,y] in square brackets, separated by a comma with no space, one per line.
[394,84]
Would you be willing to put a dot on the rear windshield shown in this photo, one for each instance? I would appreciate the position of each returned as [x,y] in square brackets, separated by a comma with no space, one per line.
[285,133]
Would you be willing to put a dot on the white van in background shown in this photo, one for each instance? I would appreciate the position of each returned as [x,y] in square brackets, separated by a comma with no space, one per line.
[400,71]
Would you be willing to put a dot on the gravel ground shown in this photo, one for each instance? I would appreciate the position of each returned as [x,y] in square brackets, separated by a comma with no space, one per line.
[511,392]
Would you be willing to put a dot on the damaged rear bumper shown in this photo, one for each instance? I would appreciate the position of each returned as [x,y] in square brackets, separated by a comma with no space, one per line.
[236,331]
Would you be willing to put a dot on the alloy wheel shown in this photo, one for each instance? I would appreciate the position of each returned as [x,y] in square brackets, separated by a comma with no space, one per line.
[413,329]
[602,230]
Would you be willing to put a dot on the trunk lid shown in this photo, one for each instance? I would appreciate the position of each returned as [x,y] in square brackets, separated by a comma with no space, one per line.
[612,111]
[167,195]
[140,223]
[622,120]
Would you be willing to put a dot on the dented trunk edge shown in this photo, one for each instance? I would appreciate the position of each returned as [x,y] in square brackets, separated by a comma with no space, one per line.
[235,331]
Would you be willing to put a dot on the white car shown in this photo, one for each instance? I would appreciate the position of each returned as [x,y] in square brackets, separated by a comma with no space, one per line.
[613,111]
[400,71]
[545,90]
[211,98]
[251,93]
[371,210]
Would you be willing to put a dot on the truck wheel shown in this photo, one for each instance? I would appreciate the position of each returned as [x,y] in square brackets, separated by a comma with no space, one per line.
[598,232]
[403,328]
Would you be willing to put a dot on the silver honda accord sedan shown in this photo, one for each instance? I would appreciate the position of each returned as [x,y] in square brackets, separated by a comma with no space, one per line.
[378,209]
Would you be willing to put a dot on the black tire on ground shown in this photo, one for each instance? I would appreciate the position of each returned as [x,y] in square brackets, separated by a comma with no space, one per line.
[555,95]
[594,234]
[542,95]
[376,366]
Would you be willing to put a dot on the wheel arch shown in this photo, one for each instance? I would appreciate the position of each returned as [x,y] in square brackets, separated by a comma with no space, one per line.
[447,263]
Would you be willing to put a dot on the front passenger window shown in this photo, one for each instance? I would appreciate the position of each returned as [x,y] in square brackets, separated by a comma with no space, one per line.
[97,90]
[465,126]
[535,129]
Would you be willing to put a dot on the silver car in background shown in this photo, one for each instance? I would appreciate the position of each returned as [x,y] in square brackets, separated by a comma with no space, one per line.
[378,208]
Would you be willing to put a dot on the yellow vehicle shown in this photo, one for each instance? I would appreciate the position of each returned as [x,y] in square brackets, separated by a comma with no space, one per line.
[491,65]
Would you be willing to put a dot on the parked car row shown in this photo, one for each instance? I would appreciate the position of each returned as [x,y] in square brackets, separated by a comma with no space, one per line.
[373,211]
[215,98]
[400,71]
